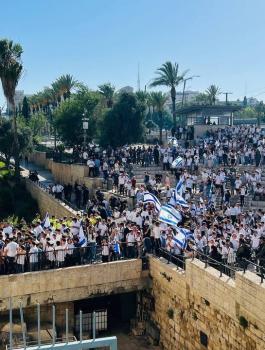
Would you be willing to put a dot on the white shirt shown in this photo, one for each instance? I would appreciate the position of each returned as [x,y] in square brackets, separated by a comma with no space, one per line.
[33,257]
[11,249]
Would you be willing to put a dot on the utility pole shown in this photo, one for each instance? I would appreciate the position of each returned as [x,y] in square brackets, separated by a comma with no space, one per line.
[226,96]
[184,87]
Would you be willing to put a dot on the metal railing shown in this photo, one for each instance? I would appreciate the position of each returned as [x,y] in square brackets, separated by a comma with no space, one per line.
[222,266]
[61,258]
[258,269]
[178,260]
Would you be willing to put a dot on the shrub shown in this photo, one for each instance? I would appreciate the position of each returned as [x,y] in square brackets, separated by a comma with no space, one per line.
[170,313]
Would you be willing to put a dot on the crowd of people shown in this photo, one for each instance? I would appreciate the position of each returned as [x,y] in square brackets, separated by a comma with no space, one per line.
[213,184]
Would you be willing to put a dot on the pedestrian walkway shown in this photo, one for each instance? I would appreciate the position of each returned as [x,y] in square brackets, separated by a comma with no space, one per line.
[45,176]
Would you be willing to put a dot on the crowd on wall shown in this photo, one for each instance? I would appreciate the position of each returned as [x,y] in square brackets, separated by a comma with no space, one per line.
[214,185]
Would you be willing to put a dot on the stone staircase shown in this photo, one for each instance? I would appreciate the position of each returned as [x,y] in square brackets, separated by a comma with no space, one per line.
[139,173]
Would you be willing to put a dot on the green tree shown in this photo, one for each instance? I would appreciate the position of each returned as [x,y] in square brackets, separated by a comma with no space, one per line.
[213,91]
[68,117]
[10,73]
[159,101]
[24,136]
[38,125]
[168,75]
[260,110]
[123,124]
[107,91]
[25,108]
[65,84]
[202,98]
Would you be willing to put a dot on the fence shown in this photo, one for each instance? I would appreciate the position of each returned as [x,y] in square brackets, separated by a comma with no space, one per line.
[52,258]
[222,266]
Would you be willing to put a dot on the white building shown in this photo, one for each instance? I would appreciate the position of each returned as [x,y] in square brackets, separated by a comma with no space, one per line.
[189,96]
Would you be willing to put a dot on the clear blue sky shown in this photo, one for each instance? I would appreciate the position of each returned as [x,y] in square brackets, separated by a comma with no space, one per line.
[98,41]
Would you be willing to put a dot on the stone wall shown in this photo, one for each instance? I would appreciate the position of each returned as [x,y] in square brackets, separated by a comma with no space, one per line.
[198,300]
[72,283]
[66,173]
[47,203]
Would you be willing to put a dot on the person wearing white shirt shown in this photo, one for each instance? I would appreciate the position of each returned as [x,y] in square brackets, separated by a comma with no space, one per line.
[75,227]
[50,255]
[11,250]
[21,257]
[33,257]
[7,230]
[38,230]
[60,253]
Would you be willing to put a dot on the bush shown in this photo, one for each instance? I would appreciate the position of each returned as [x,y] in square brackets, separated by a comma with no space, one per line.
[243,322]
[170,313]
[16,201]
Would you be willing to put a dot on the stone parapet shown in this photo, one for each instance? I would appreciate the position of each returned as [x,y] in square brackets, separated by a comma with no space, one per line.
[72,283]
[198,302]
[48,203]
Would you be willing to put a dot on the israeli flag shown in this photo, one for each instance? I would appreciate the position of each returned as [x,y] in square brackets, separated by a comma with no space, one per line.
[180,240]
[176,199]
[151,198]
[46,222]
[187,233]
[179,186]
[169,215]
[177,163]
[82,237]
[116,248]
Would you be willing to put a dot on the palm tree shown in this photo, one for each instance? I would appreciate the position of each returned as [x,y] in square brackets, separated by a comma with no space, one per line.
[10,73]
[65,84]
[57,92]
[213,91]
[159,100]
[168,75]
[107,91]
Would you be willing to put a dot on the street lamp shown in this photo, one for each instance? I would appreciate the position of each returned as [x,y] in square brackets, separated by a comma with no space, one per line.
[85,126]
[184,87]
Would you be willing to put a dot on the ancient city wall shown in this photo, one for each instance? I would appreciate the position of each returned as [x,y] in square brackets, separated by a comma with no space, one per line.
[197,302]
[72,283]
[46,202]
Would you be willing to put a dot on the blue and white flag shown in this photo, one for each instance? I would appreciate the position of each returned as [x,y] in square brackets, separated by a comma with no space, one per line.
[46,222]
[169,215]
[176,199]
[82,237]
[178,162]
[151,198]
[179,186]
[180,240]
[116,248]
[187,233]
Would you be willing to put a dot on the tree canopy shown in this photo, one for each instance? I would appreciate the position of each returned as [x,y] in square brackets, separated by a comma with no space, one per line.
[68,117]
[123,124]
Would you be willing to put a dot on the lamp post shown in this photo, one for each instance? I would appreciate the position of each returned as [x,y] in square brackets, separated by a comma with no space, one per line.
[183,92]
[184,87]
[85,126]
[51,107]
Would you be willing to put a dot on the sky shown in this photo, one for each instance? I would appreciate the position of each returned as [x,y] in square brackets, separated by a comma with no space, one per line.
[98,41]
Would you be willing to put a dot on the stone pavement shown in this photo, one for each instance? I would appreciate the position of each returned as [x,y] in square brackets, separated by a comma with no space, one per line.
[45,176]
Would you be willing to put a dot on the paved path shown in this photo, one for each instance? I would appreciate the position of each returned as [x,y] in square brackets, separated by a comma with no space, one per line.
[45,176]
